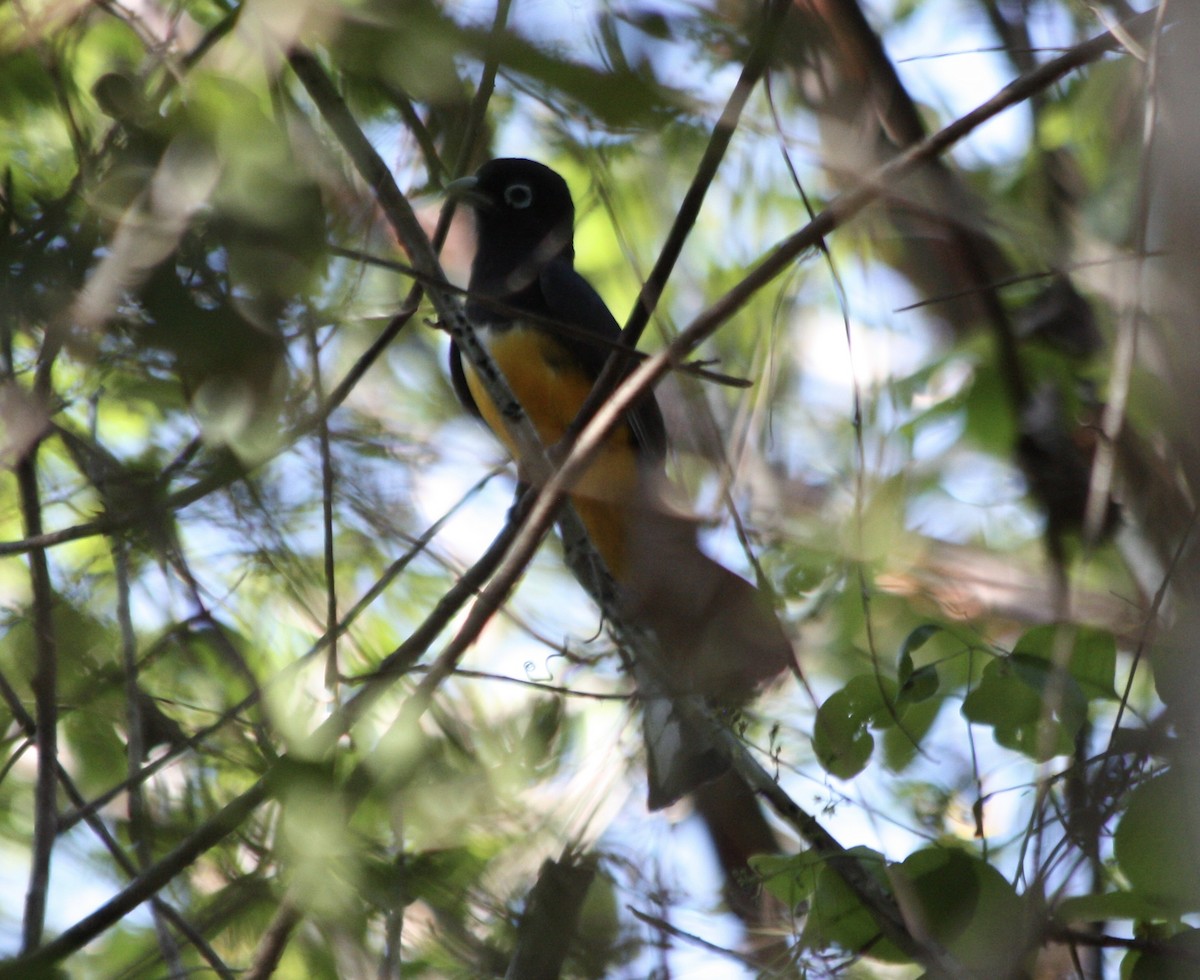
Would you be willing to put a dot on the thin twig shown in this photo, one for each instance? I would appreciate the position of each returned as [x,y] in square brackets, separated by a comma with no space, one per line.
[45,693]
[274,941]
[140,827]
[1129,325]
[329,554]
[100,829]
[409,651]
[142,888]
[689,210]
[662,925]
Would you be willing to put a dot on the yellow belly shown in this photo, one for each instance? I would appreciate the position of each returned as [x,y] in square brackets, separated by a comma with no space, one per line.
[551,390]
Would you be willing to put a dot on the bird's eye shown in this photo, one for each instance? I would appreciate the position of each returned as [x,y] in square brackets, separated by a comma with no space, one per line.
[519,196]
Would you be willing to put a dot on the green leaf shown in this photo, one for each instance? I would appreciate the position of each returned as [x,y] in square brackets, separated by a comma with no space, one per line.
[1009,699]
[1093,655]
[918,638]
[916,684]
[1110,905]
[990,423]
[921,685]
[1150,847]
[901,742]
[790,878]
[443,878]
[841,740]
[837,916]
[1178,958]
[967,906]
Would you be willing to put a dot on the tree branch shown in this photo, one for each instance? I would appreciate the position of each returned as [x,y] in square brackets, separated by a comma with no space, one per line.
[45,692]
[142,888]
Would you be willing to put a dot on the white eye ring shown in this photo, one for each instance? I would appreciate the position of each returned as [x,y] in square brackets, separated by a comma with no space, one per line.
[519,196]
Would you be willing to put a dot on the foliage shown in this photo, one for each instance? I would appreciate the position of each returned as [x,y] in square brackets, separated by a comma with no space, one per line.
[241,513]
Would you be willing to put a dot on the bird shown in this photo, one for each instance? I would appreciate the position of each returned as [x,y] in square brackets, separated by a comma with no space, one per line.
[550,334]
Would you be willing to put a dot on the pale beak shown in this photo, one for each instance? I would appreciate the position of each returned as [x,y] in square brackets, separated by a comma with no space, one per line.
[466,189]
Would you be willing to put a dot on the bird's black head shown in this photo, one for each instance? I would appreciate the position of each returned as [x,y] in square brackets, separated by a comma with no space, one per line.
[524,220]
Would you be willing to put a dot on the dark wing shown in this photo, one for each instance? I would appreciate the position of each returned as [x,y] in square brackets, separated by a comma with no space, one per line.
[570,299]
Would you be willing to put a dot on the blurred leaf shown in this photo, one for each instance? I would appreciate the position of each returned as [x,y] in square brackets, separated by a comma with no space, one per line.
[544,734]
[917,639]
[902,742]
[991,424]
[1110,905]
[790,878]
[841,739]
[596,947]
[837,916]
[969,907]
[1161,814]
[1093,655]
[1009,698]
[916,684]
[921,685]
[1177,958]
[91,736]
[444,878]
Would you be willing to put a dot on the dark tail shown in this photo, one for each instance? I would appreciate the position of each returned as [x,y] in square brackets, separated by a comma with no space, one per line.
[720,641]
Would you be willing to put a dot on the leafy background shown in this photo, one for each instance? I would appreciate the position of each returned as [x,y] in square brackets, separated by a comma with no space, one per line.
[236,484]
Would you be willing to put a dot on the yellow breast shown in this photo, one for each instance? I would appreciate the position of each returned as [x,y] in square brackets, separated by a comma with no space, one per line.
[551,387]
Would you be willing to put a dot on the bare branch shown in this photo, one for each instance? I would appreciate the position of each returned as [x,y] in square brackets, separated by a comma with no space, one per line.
[142,888]
[45,689]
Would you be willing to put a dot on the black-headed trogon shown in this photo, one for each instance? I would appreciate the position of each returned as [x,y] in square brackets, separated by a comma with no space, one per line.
[537,316]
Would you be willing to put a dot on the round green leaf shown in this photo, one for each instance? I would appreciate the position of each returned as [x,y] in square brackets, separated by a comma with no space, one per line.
[1177,959]
[841,741]
[840,738]
[1155,842]
[967,906]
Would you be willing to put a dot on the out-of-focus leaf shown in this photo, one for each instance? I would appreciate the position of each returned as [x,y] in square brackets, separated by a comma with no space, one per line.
[1111,905]
[90,732]
[1009,699]
[443,877]
[967,905]
[902,742]
[841,739]
[991,424]
[1161,814]
[544,733]
[837,916]
[790,878]
[1093,655]
[918,638]
[597,942]
[916,684]
[618,99]
[1177,958]
[921,684]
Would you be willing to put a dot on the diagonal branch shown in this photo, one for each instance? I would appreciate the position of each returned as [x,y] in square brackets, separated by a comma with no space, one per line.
[641,380]
[689,209]
[142,888]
